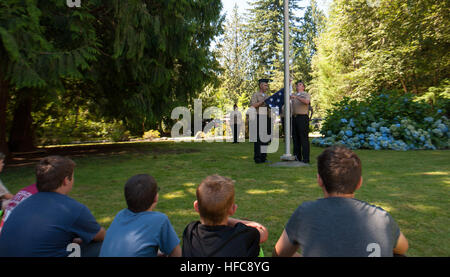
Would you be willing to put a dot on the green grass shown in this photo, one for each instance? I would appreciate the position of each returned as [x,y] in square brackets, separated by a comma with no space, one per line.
[413,186]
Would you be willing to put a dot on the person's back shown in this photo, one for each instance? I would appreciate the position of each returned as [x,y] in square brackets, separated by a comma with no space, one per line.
[340,225]
[217,234]
[139,235]
[337,226]
[44,225]
[201,240]
[138,231]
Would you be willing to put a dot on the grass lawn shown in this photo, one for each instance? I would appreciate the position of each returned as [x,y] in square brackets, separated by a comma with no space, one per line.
[413,186]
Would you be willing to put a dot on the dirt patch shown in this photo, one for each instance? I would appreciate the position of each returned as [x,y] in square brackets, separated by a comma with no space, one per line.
[75,151]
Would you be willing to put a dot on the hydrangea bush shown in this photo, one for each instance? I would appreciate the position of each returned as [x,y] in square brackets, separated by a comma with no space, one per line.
[387,121]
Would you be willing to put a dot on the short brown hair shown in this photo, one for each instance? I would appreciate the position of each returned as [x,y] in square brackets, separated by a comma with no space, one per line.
[215,195]
[140,192]
[51,172]
[340,169]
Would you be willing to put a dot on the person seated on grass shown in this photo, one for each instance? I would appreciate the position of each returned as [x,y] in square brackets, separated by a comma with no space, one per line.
[16,200]
[217,234]
[5,195]
[138,231]
[339,224]
[49,222]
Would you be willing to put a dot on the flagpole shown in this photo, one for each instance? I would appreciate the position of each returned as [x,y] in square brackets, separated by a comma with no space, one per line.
[287,88]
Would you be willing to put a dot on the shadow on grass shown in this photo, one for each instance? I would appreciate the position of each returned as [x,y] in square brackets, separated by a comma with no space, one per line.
[97,150]
[412,186]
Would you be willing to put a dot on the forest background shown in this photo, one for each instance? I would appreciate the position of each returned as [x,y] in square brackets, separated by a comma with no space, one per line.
[114,70]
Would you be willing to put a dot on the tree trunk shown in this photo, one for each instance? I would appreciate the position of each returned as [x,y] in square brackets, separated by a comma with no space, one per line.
[22,134]
[4,96]
[404,86]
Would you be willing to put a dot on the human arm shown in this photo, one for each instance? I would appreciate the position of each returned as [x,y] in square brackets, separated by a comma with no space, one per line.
[263,232]
[402,245]
[8,196]
[4,192]
[284,247]
[302,99]
[176,252]
[257,104]
[100,236]
[254,101]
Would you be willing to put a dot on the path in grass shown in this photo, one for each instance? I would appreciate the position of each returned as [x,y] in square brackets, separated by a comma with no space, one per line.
[413,186]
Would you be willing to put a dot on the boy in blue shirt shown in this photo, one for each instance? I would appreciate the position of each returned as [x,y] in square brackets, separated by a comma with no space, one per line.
[139,231]
[49,222]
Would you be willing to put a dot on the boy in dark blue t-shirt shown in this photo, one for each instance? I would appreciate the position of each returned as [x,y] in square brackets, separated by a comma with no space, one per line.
[48,223]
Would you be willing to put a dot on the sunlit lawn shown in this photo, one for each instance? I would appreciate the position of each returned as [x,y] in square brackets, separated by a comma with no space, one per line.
[413,186]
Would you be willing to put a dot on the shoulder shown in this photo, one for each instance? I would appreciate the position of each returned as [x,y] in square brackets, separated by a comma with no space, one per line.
[308,206]
[191,227]
[242,228]
[256,95]
[70,201]
[309,209]
[371,208]
[154,218]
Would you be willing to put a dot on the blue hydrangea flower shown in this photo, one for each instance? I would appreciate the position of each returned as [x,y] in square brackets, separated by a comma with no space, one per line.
[428,119]
[352,123]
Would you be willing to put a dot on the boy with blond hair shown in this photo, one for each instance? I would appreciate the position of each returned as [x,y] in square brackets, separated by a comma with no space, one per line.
[217,234]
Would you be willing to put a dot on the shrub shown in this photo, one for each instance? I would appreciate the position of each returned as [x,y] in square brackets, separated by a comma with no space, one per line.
[118,132]
[386,121]
[151,134]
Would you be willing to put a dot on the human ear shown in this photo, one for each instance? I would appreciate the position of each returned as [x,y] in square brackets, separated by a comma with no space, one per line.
[232,209]
[359,184]
[155,201]
[319,181]
[196,206]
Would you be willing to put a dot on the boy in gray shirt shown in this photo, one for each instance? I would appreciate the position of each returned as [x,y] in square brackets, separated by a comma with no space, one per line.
[338,224]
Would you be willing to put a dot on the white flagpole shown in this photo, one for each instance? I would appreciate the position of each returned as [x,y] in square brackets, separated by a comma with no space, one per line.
[287,88]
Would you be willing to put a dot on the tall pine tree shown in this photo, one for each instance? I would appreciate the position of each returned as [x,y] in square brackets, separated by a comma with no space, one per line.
[234,56]
[266,23]
[304,41]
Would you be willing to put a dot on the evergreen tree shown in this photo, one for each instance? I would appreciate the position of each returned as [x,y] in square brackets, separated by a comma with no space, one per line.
[135,59]
[63,42]
[161,59]
[304,43]
[266,24]
[233,54]
[370,46]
